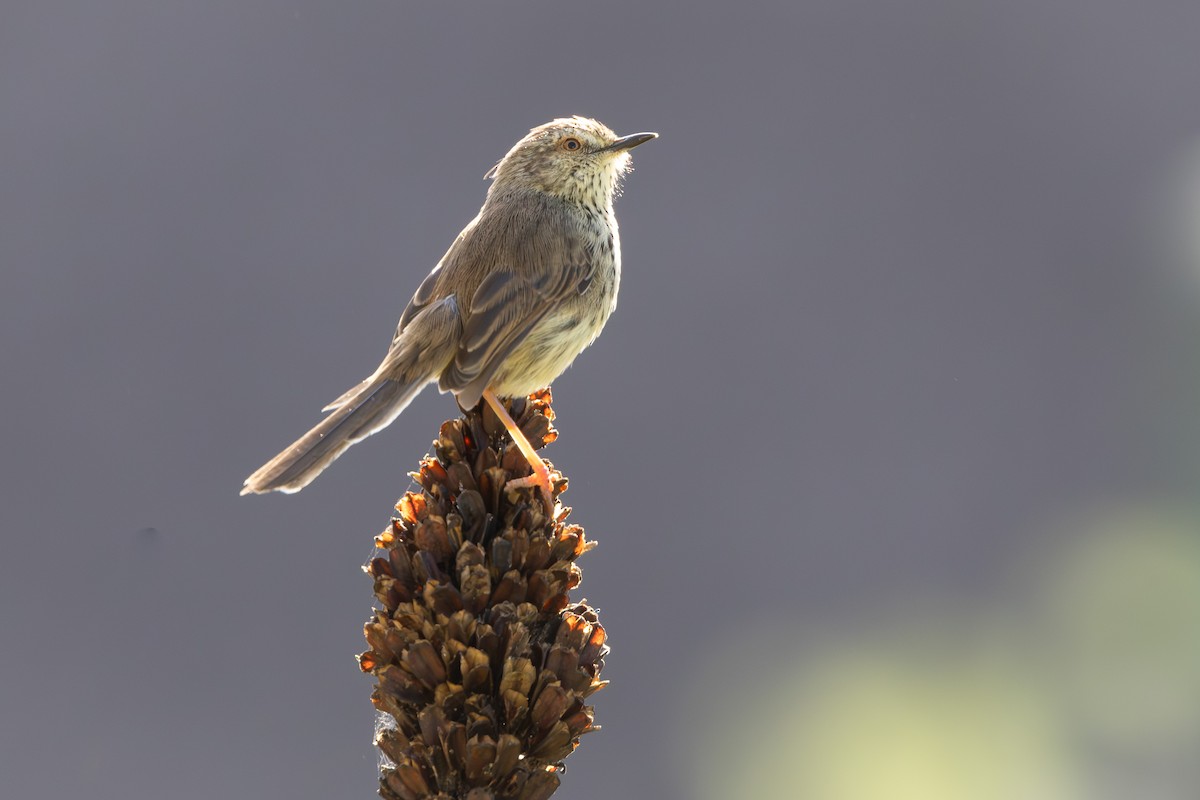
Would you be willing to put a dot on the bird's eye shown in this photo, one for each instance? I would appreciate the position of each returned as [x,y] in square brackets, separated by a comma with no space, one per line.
[571,143]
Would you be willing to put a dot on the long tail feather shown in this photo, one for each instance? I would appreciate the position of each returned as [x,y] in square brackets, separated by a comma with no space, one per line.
[417,356]
[372,408]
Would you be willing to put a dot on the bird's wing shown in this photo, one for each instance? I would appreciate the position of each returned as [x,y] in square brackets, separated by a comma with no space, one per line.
[439,283]
[426,293]
[504,309]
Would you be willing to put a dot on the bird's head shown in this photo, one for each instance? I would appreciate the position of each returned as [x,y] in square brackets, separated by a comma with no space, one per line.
[577,159]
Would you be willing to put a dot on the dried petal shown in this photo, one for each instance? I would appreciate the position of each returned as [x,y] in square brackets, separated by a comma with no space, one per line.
[425,664]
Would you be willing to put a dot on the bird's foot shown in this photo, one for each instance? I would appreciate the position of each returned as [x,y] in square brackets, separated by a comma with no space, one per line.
[541,473]
[541,479]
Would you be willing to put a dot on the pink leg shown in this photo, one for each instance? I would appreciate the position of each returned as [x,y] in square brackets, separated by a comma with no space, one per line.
[541,474]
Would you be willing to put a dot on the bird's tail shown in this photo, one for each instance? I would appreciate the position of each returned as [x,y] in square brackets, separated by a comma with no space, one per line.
[417,355]
[360,413]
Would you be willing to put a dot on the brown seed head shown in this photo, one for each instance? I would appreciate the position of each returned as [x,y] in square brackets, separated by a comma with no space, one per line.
[484,665]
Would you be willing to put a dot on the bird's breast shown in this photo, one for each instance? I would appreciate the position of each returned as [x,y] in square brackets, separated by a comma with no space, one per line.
[567,330]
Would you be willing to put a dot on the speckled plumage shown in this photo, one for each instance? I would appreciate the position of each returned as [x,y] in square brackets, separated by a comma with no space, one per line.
[526,286]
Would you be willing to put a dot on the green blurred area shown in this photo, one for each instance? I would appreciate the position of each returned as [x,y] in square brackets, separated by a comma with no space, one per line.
[1081,680]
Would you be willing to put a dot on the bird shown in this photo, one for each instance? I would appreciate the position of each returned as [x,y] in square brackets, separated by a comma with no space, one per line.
[526,286]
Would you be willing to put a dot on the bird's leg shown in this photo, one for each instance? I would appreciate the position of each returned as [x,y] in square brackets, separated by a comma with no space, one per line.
[541,473]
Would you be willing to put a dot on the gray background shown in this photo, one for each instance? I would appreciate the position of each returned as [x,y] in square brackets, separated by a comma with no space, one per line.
[904,284]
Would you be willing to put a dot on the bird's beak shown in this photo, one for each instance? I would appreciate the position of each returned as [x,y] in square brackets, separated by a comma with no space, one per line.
[630,141]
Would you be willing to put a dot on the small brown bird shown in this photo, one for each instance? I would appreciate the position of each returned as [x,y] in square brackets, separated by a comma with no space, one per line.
[526,286]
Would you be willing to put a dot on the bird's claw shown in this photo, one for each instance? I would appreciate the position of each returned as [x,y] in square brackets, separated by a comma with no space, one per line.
[541,479]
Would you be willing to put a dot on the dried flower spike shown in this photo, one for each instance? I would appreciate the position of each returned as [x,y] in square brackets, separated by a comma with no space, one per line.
[483,664]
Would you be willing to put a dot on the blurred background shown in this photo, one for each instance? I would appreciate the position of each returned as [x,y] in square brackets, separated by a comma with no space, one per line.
[891,447]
